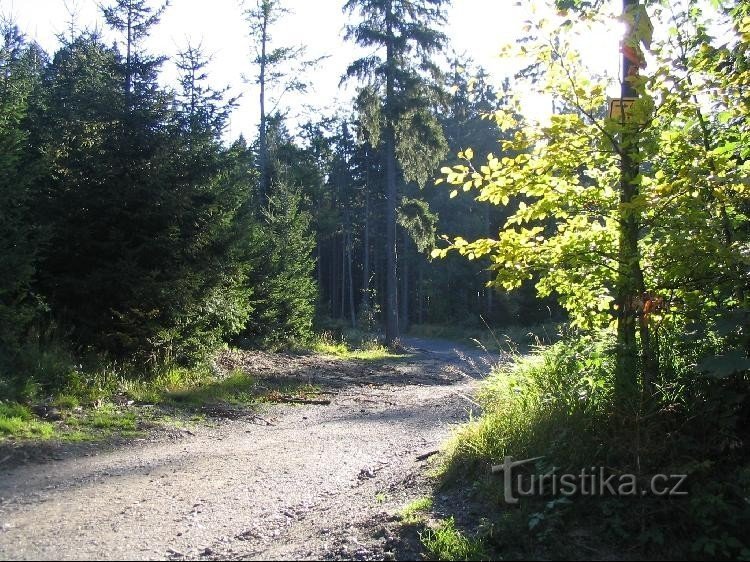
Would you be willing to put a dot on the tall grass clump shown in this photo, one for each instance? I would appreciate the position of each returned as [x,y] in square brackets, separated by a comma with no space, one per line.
[559,404]
[552,403]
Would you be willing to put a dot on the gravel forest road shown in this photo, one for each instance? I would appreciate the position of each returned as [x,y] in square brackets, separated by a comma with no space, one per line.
[298,482]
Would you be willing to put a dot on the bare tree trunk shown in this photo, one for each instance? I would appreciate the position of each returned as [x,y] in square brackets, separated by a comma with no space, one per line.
[404,303]
[319,263]
[334,278]
[391,285]
[420,294]
[352,314]
[343,275]
[488,291]
[366,253]
[129,61]
[630,284]
[263,138]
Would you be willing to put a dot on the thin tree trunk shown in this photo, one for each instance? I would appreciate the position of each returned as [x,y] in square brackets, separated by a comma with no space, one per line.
[630,285]
[129,61]
[488,291]
[343,275]
[366,253]
[420,294]
[319,246]
[391,285]
[404,303]
[352,314]
[263,139]
[332,276]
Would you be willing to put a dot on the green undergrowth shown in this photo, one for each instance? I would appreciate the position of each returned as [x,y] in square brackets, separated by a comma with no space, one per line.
[354,345]
[105,403]
[558,405]
[60,398]
[441,538]
[415,512]
[506,339]
[19,423]
[16,420]
[445,542]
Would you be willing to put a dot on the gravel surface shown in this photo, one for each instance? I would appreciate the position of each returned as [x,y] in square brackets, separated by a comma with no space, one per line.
[319,482]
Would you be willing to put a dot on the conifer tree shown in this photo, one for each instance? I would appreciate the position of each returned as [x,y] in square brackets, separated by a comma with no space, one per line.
[20,74]
[401,91]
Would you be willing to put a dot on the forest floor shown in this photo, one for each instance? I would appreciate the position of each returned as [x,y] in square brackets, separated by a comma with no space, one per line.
[275,481]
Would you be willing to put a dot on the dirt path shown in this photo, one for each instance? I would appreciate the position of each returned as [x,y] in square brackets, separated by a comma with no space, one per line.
[321,482]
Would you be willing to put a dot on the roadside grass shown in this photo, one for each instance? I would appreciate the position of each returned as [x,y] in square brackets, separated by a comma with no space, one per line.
[98,406]
[559,405]
[353,345]
[555,401]
[415,512]
[445,542]
[238,389]
[16,420]
[94,400]
[18,423]
[507,339]
[554,404]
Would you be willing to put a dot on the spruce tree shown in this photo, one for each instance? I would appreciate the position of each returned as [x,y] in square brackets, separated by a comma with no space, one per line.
[282,243]
[402,89]
[20,74]
[284,290]
[212,213]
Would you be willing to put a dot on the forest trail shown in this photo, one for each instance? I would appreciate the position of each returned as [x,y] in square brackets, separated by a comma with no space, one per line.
[321,482]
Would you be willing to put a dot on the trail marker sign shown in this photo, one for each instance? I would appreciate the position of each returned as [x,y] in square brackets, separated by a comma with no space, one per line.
[621,109]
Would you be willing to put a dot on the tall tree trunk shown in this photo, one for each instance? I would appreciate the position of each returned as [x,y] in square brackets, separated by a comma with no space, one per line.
[630,284]
[129,61]
[263,138]
[420,294]
[404,302]
[366,253]
[319,261]
[350,280]
[391,285]
[332,276]
[343,275]
[488,291]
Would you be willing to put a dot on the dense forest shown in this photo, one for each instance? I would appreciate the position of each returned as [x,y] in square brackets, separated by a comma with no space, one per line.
[136,237]
[134,230]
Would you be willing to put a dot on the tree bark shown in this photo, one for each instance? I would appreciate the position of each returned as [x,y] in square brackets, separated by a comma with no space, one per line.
[630,284]
[488,296]
[343,276]
[366,253]
[420,294]
[404,315]
[129,61]
[263,138]
[391,285]
[352,313]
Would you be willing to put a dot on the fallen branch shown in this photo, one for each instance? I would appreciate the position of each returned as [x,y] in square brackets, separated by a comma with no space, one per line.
[292,400]
[427,455]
